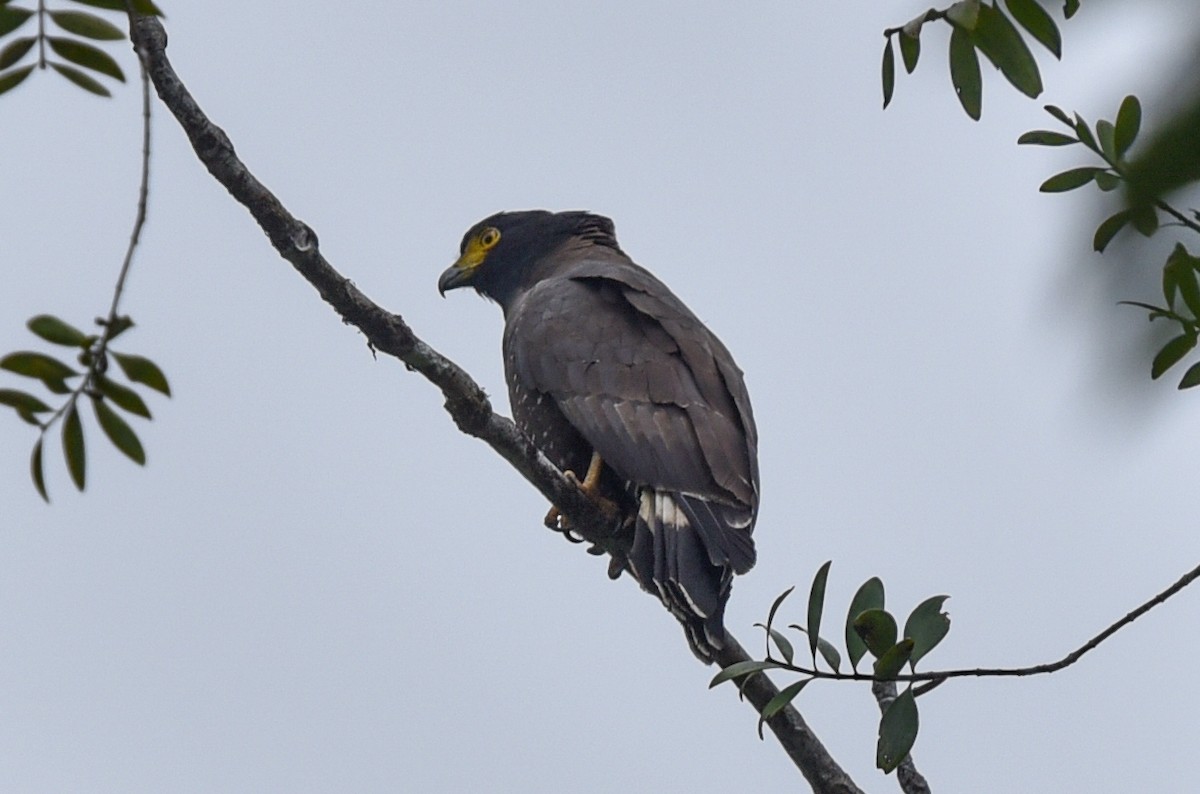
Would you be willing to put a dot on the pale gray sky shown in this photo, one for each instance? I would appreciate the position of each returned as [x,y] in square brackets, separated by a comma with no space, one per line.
[318,584]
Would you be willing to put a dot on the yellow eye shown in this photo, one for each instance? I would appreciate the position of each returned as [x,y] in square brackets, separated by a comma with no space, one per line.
[489,237]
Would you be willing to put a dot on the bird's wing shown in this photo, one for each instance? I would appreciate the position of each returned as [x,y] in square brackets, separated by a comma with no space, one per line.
[647,385]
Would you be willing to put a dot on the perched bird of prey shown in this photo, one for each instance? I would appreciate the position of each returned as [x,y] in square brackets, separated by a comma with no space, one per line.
[610,374]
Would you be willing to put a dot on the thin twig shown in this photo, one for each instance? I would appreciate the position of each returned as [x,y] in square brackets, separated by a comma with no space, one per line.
[1038,669]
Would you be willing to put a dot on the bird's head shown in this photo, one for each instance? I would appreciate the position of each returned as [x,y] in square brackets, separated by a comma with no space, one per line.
[500,254]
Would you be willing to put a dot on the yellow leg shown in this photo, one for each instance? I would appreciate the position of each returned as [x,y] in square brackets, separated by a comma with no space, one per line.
[590,486]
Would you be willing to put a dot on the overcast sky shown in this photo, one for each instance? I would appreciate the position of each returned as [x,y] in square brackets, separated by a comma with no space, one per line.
[317,583]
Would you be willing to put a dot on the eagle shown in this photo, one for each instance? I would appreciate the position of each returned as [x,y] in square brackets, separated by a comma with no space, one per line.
[616,381]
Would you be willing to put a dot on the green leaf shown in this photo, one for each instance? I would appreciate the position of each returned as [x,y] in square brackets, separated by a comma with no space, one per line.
[1171,354]
[1070,180]
[779,702]
[1032,17]
[89,26]
[1107,230]
[775,606]
[12,18]
[142,370]
[22,401]
[1106,134]
[118,326]
[57,331]
[964,73]
[894,659]
[15,51]
[1191,378]
[1180,273]
[123,396]
[37,365]
[1145,219]
[1046,138]
[926,626]
[1070,7]
[781,642]
[80,79]
[889,72]
[119,433]
[73,449]
[1085,135]
[868,596]
[964,14]
[897,732]
[825,647]
[877,628]
[1108,181]
[35,469]
[1059,114]
[739,669]
[140,6]
[910,48]
[1129,121]
[87,56]
[10,80]
[816,606]
[998,39]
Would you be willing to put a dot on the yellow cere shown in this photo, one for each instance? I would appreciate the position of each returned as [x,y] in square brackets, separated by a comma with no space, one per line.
[477,249]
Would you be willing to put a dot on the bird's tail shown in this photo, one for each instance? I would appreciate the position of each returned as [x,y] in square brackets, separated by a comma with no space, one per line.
[670,558]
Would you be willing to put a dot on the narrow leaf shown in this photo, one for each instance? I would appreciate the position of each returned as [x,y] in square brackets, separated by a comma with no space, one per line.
[779,702]
[1046,138]
[35,470]
[12,18]
[868,596]
[897,732]
[1085,135]
[816,606]
[1171,353]
[87,56]
[1106,135]
[22,401]
[889,72]
[1108,181]
[999,40]
[829,654]
[894,659]
[73,449]
[784,645]
[123,396]
[1070,180]
[80,79]
[1107,230]
[1032,17]
[57,331]
[87,25]
[877,628]
[37,365]
[739,669]
[1059,114]
[1191,378]
[119,433]
[1070,7]
[775,606]
[142,370]
[1145,219]
[15,51]
[10,80]
[926,626]
[910,49]
[964,73]
[1180,274]
[1129,121]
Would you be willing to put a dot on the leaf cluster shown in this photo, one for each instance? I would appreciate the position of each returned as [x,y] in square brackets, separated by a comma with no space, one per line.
[96,382]
[869,628]
[980,27]
[1145,212]
[64,33]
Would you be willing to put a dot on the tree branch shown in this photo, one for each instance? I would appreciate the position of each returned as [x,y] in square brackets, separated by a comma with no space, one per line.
[466,401]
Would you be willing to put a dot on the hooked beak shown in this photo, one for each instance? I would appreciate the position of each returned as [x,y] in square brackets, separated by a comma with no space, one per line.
[460,274]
